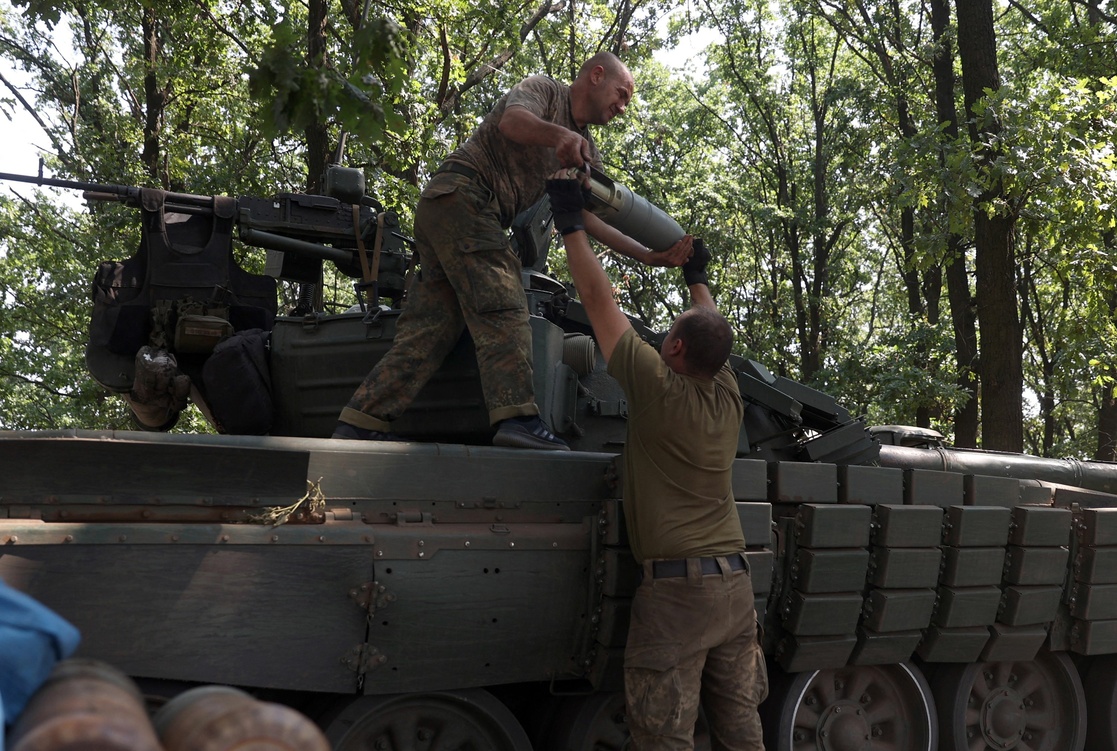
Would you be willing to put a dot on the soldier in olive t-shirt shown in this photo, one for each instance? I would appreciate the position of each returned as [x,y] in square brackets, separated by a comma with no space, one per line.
[678,462]
[692,630]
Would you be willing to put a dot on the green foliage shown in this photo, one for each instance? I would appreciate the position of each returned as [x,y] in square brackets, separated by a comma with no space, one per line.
[806,151]
[295,95]
[43,318]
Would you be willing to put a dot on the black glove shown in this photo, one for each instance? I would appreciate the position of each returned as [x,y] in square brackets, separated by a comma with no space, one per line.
[694,270]
[567,202]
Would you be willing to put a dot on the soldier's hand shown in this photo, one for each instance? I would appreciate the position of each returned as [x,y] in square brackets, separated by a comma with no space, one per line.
[694,270]
[573,150]
[567,202]
[675,256]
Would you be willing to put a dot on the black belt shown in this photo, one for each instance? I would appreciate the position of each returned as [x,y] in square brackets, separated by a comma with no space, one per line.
[669,569]
[460,169]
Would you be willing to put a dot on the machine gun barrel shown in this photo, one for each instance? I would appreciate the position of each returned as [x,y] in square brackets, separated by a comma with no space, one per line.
[127,194]
[94,191]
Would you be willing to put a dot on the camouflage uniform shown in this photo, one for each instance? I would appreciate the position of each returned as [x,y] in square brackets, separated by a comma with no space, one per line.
[695,635]
[469,275]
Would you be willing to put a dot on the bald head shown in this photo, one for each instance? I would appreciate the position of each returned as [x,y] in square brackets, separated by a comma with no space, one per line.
[607,60]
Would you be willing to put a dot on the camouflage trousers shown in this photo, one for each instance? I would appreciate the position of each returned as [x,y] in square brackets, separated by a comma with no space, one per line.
[693,641]
[469,277]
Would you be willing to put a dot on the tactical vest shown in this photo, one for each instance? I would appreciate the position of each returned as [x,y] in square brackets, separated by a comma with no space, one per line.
[182,290]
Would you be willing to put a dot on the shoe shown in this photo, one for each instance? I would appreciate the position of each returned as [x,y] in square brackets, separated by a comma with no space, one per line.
[354,433]
[527,433]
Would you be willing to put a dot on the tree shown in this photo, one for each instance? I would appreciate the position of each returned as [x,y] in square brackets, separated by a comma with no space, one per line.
[1001,373]
[962,308]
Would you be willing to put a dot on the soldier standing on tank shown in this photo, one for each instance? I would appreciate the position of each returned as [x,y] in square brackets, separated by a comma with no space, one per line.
[693,630]
[469,275]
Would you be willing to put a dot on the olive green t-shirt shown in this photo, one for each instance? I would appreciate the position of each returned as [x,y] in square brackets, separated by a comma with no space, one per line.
[516,173]
[678,456]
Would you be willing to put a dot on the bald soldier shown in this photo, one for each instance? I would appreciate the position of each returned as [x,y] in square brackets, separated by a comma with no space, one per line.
[469,275]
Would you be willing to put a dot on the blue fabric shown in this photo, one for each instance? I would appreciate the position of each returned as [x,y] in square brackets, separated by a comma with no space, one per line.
[32,639]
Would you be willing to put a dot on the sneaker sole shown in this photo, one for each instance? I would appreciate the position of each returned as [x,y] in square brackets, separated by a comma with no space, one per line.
[525,441]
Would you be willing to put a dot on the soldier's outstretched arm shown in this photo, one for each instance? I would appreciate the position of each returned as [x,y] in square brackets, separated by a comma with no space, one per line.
[594,288]
[525,127]
[613,238]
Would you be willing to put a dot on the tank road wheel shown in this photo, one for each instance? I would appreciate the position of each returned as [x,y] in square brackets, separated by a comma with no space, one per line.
[470,720]
[589,723]
[856,708]
[1100,684]
[1036,705]
[598,723]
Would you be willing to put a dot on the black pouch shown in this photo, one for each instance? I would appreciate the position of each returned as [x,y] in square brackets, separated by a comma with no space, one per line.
[237,383]
[121,320]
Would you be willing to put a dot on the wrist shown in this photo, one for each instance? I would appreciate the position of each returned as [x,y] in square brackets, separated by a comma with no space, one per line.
[695,276]
[568,221]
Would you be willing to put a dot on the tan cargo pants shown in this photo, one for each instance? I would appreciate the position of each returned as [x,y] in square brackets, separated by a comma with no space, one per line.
[694,639]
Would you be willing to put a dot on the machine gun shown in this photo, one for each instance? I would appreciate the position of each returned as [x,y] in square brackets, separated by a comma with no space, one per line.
[340,227]
[158,315]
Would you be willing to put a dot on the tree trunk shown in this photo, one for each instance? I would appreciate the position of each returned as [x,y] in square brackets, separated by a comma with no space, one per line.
[962,312]
[1107,404]
[155,98]
[317,136]
[1001,376]
[1107,423]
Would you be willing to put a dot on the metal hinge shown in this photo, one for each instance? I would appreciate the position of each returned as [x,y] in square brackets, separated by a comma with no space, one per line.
[371,596]
[363,658]
[412,516]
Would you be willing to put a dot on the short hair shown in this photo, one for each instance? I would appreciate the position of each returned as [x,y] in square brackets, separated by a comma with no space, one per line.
[708,338]
[607,60]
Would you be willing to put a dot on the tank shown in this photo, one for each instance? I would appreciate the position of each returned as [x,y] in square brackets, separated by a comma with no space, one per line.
[912,596]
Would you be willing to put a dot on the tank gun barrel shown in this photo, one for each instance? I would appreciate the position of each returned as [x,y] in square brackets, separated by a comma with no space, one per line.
[1099,476]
